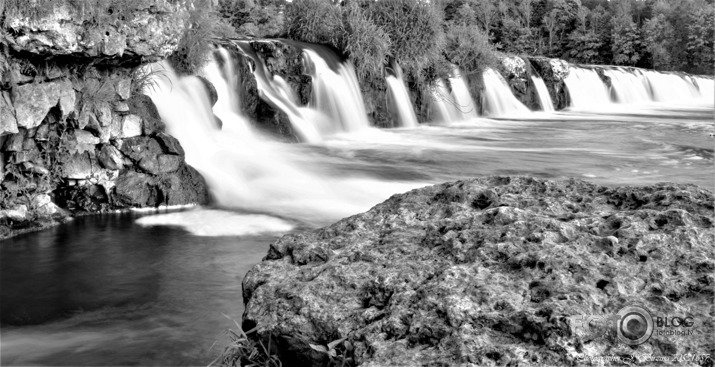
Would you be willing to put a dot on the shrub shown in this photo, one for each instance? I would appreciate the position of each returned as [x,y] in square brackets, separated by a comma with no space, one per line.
[415,29]
[195,45]
[315,21]
[366,44]
[468,47]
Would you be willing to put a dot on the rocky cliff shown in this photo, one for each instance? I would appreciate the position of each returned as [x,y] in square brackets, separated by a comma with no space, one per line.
[491,271]
[76,134]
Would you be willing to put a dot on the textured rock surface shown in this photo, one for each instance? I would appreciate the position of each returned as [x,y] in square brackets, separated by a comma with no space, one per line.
[73,129]
[490,271]
[518,76]
[150,29]
[553,71]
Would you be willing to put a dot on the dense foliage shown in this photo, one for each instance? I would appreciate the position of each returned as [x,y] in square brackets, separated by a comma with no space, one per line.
[421,34]
[195,45]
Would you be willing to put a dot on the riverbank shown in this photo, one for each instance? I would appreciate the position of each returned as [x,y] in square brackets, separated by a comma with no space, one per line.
[488,271]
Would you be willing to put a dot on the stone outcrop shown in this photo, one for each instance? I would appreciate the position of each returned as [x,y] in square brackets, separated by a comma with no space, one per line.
[553,71]
[76,135]
[144,29]
[518,75]
[490,271]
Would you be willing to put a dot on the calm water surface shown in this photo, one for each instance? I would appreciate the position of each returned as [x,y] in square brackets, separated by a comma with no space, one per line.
[103,290]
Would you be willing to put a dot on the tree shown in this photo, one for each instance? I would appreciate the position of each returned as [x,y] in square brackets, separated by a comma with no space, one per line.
[486,11]
[700,38]
[659,39]
[625,37]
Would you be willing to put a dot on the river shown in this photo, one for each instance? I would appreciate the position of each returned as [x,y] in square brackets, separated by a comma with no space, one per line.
[162,288]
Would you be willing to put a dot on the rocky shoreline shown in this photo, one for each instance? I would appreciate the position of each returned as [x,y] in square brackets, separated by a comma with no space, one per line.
[490,271]
[76,133]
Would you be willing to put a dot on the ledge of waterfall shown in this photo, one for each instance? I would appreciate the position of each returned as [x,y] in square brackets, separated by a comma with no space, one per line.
[488,271]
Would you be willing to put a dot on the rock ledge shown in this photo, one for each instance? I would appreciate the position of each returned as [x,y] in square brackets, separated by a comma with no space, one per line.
[491,271]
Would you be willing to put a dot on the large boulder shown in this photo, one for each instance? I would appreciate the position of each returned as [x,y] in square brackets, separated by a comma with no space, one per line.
[8,122]
[33,101]
[148,29]
[491,271]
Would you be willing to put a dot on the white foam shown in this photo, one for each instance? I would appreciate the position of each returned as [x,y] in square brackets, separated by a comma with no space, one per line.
[216,223]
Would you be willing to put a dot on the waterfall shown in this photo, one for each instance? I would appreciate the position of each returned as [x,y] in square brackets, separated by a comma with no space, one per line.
[498,98]
[460,93]
[455,103]
[669,87]
[224,80]
[543,93]
[336,104]
[231,79]
[629,87]
[400,98]
[706,87]
[586,89]
[247,170]
[442,103]
[336,93]
[275,90]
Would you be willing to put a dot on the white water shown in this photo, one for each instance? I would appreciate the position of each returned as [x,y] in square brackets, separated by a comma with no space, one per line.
[455,103]
[586,89]
[462,98]
[498,98]
[307,123]
[544,96]
[671,88]
[217,223]
[441,103]
[336,93]
[400,99]
[706,87]
[245,170]
[628,86]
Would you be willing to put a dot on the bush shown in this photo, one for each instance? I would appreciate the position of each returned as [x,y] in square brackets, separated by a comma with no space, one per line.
[468,47]
[366,44]
[415,29]
[315,21]
[196,44]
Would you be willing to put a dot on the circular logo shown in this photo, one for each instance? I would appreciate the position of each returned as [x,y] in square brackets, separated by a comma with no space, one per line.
[635,325]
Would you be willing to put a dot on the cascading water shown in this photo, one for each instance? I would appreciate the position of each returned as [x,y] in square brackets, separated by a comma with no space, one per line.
[455,103]
[543,93]
[273,89]
[706,87]
[669,87]
[629,87]
[401,99]
[246,170]
[336,104]
[498,98]
[224,80]
[586,89]
[442,103]
[462,98]
[336,93]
